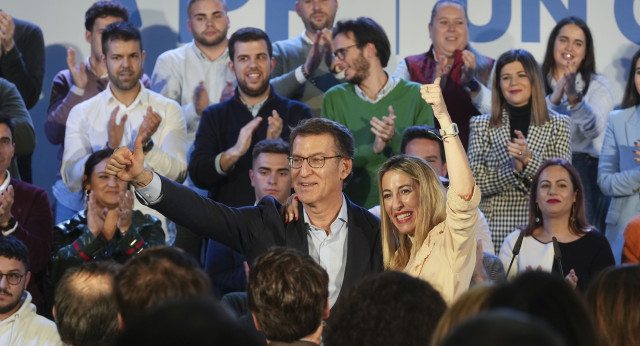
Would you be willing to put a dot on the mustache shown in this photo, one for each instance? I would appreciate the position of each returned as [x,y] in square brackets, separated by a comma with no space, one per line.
[125,70]
[5,291]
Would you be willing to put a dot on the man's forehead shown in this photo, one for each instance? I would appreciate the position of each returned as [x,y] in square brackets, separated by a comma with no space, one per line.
[8,264]
[272,160]
[253,47]
[323,143]
[122,46]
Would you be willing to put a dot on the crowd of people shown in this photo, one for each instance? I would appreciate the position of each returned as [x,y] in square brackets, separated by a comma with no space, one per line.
[296,193]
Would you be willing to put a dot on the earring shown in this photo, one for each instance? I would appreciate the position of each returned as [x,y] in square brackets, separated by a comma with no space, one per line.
[87,192]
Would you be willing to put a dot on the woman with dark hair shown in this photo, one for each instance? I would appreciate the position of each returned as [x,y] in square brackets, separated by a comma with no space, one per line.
[507,146]
[573,88]
[619,166]
[613,300]
[425,234]
[108,228]
[556,209]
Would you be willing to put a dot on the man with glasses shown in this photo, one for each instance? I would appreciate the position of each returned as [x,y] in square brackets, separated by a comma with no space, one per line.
[372,104]
[339,235]
[19,324]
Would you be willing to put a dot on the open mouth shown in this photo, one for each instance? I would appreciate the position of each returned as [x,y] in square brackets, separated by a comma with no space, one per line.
[567,56]
[404,217]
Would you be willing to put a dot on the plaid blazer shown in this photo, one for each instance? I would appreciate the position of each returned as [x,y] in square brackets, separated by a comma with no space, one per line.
[505,193]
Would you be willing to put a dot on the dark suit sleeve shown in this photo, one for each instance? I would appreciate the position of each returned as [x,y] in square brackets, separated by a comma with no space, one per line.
[32,211]
[207,145]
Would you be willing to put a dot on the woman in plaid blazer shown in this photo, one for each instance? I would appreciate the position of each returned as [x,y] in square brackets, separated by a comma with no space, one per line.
[507,146]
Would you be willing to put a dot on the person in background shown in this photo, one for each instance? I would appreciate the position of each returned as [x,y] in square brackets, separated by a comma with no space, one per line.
[507,146]
[574,88]
[631,249]
[619,165]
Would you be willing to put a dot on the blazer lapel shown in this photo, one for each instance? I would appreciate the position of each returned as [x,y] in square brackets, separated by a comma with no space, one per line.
[538,137]
[358,252]
[296,233]
[499,136]
[630,130]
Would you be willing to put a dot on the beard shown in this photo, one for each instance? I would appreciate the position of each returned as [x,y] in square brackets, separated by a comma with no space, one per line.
[211,41]
[326,24]
[242,85]
[11,304]
[361,67]
[122,84]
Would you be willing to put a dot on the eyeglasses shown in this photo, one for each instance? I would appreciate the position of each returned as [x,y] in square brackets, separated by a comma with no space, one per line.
[316,161]
[12,278]
[342,52]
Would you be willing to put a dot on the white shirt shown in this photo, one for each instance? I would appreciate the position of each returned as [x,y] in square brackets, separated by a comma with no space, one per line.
[179,71]
[87,132]
[330,251]
[24,327]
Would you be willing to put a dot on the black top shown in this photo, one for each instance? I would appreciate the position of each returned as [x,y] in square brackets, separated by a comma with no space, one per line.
[587,256]
[519,119]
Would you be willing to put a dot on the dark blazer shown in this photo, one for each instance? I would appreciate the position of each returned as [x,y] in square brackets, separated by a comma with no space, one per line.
[32,212]
[253,230]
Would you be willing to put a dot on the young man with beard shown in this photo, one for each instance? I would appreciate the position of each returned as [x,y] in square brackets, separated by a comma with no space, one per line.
[372,104]
[305,68]
[196,75]
[125,108]
[19,324]
[221,158]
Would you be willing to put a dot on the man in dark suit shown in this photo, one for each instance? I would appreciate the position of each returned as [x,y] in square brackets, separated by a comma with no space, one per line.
[341,236]
[25,212]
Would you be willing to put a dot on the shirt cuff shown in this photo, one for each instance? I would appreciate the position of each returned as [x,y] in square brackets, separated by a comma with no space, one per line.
[300,76]
[218,167]
[77,91]
[152,193]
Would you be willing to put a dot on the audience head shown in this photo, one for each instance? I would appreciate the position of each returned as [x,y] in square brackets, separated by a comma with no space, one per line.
[570,44]
[95,180]
[388,308]
[317,15]
[14,267]
[358,43]
[549,297]
[287,294]
[157,275]
[518,82]
[449,27]
[208,21]
[123,55]
[321,159]
[613,299]
[559,181]
[466,306]
[97,18]
[85,308]
[424,141]
[503,327]
[193,321]
[250,49]
[412,198]
[631,97]
[7,142]
[270,173]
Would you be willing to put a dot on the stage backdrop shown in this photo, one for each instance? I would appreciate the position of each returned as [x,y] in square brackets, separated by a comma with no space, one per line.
[495,26]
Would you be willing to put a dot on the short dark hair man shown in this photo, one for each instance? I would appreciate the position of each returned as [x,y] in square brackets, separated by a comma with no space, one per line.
[362,50]
[342,236]
[78,83]
[85,307]
[154,276]
[270,173]
[288,296]
[305,67]
[19,324]
[25,212]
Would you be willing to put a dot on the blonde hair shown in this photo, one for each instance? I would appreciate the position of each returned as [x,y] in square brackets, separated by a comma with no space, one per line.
[396,247]
[468,305]
[539,112]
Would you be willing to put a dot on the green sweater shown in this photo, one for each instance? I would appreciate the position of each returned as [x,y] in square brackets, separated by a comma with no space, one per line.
[342,104]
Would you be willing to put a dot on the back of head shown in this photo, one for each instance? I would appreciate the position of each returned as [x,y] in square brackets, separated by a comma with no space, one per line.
[549,297]
[389,308]
[196,321]
[157,275]
[104,8]
[503,327]
[122,31]
[248,35]
[287,292]
[466,306]
[613,299]
[13,248]
[366,30]
[85,308]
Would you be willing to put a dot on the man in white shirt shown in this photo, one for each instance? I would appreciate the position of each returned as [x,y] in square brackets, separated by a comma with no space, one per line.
[19,324]
[114,117]
[196,75]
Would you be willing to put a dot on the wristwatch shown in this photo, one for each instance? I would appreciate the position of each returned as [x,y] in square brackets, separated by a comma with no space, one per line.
[148,146]
[10,225]
[472,86]
[450,131]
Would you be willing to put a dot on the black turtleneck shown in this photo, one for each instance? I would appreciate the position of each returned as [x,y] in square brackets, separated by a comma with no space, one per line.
[519,119]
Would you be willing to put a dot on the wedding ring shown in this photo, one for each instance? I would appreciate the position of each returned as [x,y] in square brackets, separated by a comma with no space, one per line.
[520,152]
